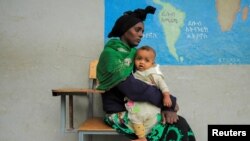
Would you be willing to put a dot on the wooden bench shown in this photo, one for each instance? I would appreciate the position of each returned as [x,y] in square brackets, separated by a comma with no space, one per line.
[92,125]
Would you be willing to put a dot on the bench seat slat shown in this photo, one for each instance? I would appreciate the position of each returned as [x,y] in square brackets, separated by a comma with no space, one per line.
[95,124]
[74,91]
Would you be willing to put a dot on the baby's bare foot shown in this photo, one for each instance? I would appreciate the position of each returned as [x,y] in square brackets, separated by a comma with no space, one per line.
[140,139]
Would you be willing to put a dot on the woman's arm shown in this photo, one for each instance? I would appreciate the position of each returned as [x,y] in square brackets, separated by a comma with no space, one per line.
[137,90]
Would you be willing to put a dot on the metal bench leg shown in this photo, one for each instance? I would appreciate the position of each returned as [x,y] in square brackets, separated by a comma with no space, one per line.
[63,113]
[90,137]
[80,136]
[71,122]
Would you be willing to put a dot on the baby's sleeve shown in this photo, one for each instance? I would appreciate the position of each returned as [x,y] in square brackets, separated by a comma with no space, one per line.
[160,82]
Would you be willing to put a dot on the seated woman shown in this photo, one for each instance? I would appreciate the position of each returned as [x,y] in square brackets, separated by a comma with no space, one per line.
[114,73]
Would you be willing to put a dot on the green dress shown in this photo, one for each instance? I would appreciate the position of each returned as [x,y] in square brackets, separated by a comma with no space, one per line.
[179,131]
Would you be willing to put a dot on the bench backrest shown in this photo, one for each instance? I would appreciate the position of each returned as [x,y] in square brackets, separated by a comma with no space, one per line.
[92,69]
[92,84]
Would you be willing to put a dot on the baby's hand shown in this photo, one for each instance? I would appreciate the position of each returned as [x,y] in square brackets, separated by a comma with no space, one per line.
[167,100]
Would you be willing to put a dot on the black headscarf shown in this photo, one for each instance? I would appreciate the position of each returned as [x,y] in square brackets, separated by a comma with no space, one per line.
[129,19]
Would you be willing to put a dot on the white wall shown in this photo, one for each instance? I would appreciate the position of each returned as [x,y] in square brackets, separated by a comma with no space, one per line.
[211,95]
[48,44]
[44,44]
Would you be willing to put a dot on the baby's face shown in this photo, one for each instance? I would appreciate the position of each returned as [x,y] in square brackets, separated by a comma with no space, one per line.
[144,60]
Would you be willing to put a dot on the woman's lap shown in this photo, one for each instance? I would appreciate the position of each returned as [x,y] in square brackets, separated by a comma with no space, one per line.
[179,131]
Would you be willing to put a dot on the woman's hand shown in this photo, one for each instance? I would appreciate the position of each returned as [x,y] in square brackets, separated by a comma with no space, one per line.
[170,116]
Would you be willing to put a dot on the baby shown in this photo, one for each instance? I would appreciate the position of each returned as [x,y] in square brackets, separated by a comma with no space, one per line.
[143,114]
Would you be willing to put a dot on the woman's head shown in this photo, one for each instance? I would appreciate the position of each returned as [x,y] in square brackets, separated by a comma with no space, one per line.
[132,37]
[145,58]
[131,19]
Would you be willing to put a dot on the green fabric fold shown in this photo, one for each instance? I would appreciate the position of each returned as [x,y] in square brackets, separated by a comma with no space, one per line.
[115,64]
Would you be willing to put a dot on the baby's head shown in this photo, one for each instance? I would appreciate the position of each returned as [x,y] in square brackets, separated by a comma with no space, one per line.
[145,58]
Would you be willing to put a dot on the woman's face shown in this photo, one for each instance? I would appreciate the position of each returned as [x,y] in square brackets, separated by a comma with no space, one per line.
[133,36]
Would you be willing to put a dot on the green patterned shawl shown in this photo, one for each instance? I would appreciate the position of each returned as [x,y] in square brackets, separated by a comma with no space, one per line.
[115,64]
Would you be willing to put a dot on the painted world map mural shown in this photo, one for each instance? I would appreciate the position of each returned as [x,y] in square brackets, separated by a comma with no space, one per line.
[192,32]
